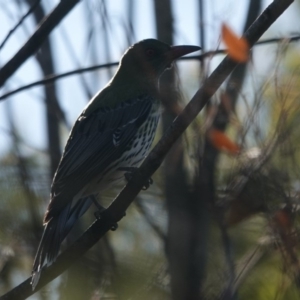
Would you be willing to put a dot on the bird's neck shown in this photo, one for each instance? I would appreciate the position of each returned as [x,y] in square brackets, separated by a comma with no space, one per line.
[122,88]
[132,81]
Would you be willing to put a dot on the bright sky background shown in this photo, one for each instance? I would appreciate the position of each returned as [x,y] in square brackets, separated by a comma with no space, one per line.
[28,108]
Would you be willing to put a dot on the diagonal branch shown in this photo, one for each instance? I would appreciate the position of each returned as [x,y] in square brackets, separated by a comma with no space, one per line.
[36,40]
[116,210]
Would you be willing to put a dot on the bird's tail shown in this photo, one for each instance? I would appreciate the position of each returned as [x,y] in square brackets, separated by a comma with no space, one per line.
[54,233]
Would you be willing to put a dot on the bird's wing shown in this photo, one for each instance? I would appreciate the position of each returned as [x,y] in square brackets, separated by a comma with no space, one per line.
[94,143]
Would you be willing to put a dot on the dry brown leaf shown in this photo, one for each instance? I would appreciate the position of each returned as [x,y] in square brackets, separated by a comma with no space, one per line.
[221,142]
[283,219]
[237,48]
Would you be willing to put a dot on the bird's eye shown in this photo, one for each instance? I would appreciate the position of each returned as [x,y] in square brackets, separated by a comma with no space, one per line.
[150,53]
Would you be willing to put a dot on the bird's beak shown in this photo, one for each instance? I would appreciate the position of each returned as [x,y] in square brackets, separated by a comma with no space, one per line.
[178,51]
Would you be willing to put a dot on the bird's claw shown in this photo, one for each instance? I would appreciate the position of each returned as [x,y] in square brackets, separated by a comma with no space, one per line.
[98,215]
[147,184]
[128,175]
[114,226]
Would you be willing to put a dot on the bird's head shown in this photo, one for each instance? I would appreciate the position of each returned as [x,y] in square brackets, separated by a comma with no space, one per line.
[150,58]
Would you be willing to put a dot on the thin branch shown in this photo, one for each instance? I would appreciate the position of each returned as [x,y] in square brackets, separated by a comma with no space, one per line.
[31,9]
[36,40]
[130,32]
[248,262]
[202,36]
[106,26]
[228,292]
[52,78]
[116,210]
[71,50]
[251,167]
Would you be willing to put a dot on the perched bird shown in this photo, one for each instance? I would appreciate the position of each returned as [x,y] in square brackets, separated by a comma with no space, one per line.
[112,134]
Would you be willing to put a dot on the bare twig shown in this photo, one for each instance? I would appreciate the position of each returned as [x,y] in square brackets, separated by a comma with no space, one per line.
[106,26]
[36,40]
[248,262]
[202,36]
[31,9]
[73,56]
[130,33]
[115,211]
[52,78]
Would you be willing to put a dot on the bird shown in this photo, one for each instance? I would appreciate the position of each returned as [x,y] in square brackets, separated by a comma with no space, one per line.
[112,135]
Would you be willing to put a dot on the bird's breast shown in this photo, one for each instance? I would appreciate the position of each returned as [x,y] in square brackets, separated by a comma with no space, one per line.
[136,151]
[143,139]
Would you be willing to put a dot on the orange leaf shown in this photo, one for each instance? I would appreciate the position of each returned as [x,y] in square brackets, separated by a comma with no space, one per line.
[237,48]
[221,142]
[283,218]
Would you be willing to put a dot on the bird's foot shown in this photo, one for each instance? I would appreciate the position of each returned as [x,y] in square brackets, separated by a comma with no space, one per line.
[98,216]
[99,212]
[129,173]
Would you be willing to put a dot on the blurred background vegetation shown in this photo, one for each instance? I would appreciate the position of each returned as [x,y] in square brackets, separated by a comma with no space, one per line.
[221,219]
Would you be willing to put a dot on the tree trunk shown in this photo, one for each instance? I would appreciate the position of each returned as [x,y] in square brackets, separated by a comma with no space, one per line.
[53,111]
